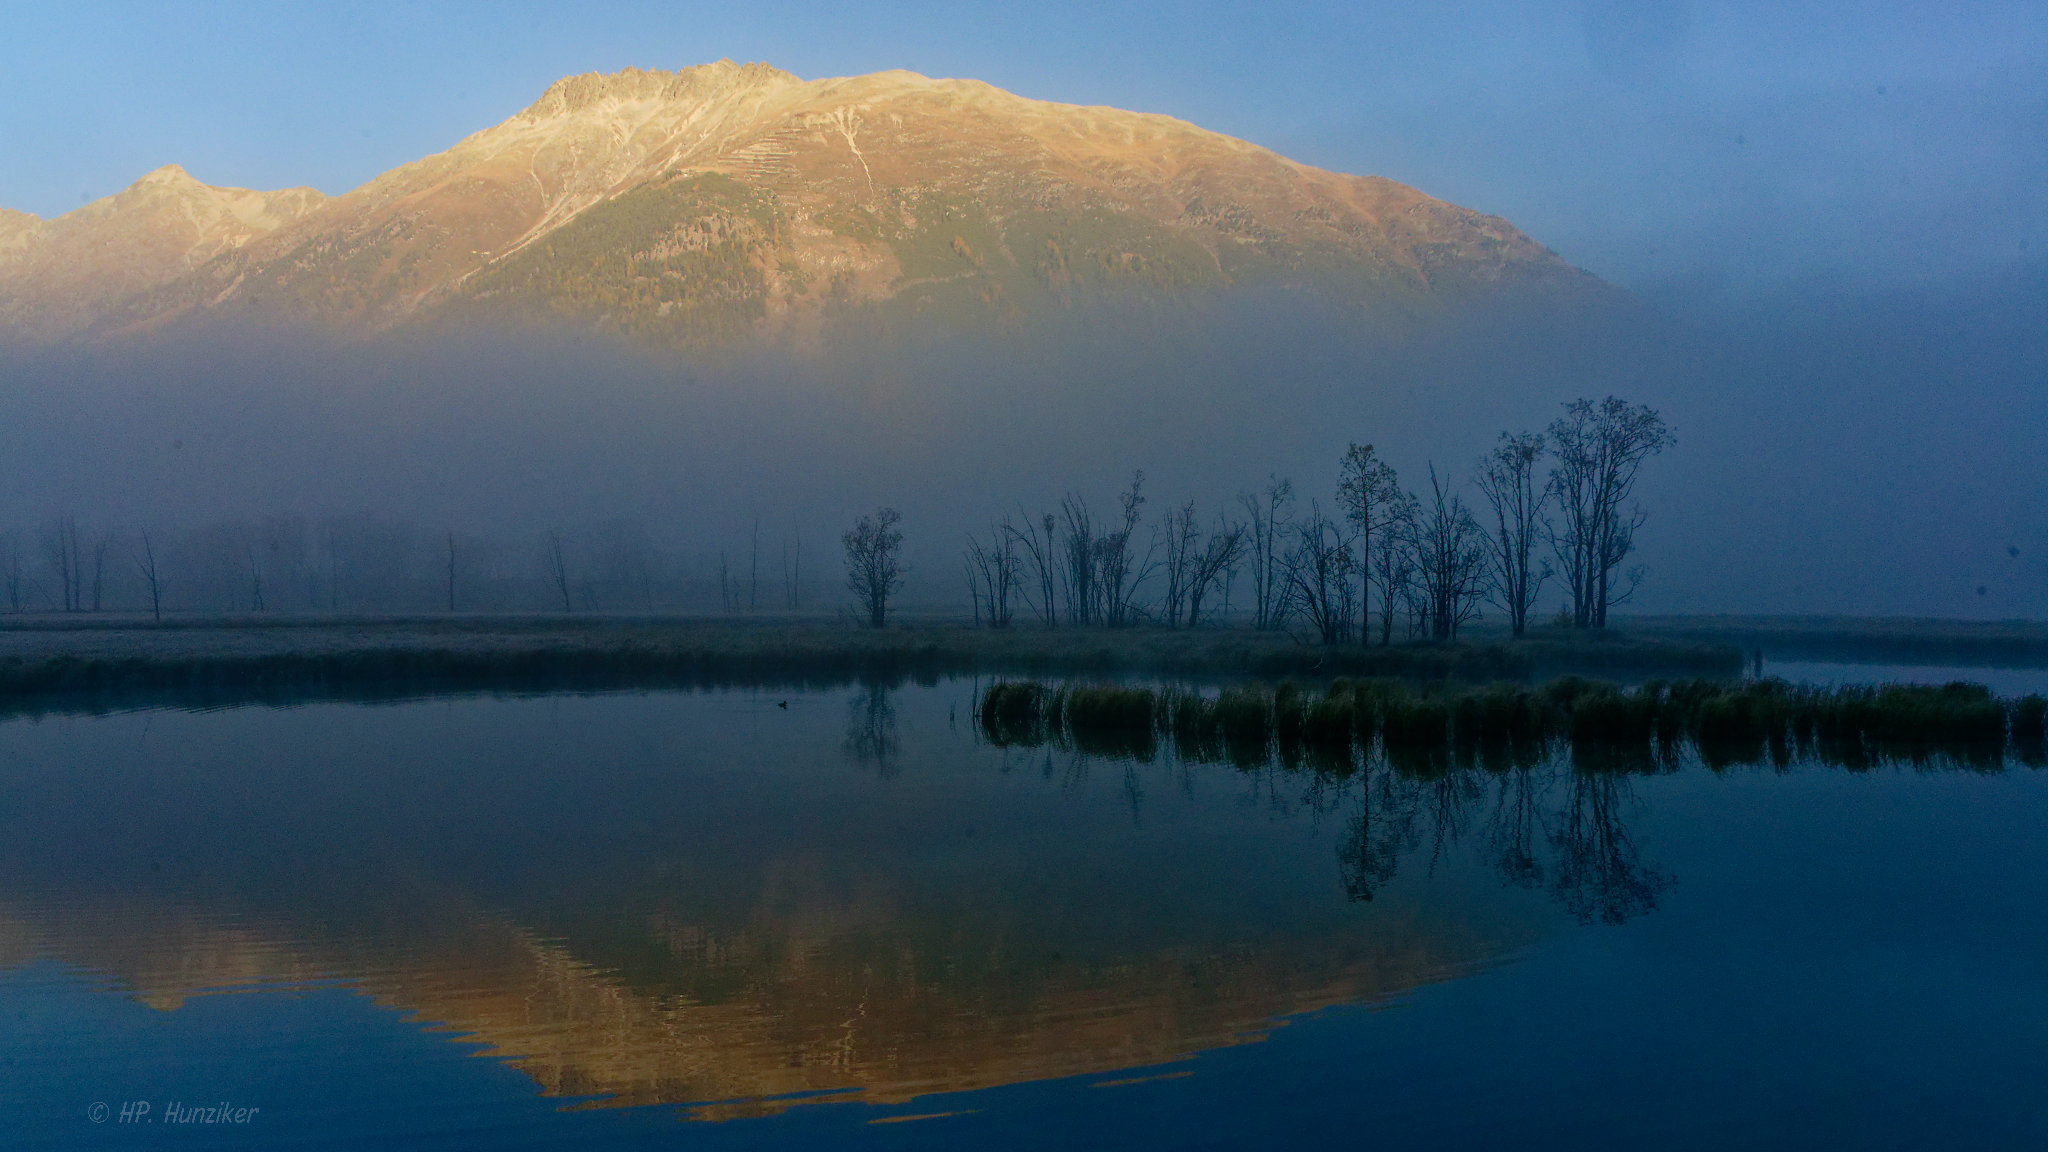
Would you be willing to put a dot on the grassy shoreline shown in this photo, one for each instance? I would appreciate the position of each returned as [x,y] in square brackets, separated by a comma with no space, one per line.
[75,664]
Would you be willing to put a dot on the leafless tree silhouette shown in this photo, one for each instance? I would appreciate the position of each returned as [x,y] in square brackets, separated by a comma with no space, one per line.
[1599,449]
[792,573]
[1507,478]
[12,567]
[558,569]
[1219,556]
[1450,561]
[1371,497]
[100,546]
[1320,577]
[873,572]
[992,575]
[1120,571]
[60,549]
[1037,545]
[1392,562]
[1268,512]
[152,577]
[1180,538]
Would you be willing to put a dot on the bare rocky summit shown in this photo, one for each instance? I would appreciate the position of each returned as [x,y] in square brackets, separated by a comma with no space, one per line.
[104,260]
[725,203]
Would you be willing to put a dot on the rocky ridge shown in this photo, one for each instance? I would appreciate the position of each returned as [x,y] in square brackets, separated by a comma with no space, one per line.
[730,202]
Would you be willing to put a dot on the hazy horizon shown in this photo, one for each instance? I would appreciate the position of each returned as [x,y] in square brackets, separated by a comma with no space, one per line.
[1823,463]
[1829,224]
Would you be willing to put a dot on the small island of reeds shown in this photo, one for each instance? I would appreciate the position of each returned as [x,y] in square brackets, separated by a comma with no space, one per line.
[1506,724]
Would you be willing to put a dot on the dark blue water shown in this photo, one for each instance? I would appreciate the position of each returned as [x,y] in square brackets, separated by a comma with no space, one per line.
[2003,681]
[707,920]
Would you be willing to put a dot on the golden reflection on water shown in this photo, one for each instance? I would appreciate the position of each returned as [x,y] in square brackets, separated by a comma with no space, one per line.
[827,1015]
[724,927]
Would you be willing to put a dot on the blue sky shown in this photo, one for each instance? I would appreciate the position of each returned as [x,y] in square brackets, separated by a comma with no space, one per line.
[1687,148]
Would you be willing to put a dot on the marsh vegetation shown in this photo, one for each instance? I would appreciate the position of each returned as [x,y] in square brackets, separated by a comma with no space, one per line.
[98,663]
[1633,729]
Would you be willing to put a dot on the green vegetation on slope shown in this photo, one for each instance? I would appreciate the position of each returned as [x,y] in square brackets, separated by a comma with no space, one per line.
[681,262]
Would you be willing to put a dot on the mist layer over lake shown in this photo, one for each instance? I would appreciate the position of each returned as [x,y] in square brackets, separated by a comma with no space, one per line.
[780,919]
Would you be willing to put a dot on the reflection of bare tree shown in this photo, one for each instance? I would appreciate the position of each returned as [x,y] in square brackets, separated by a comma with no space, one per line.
[1594,867]
[871,731]
[1599,873]
[1375,840]
[1450,798]
[1511,829]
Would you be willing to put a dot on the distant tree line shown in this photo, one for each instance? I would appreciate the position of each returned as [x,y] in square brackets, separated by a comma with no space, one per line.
[1554,505]
[291,563]
[1377,560]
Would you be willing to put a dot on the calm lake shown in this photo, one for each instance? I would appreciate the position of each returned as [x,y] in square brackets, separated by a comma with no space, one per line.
[823,918]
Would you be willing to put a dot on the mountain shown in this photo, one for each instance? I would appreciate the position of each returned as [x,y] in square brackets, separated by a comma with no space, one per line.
[724,202]
[102,261]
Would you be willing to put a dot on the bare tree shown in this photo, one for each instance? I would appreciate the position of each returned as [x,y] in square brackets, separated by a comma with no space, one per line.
[1181,538]
[60,550]
[1450,561]
[754,569]
[152,577]
[100,546]
[1392,562]
[1507,477]
[992,572]
[13,571]
[1037,540]
[1081,556]
[558,569]
[1099,571]
[1120,572]
[1599,449]
[1268,513]
[1319,574]
[873,572]
[1370,494]
[254,563]
[1219,556]
[792,573]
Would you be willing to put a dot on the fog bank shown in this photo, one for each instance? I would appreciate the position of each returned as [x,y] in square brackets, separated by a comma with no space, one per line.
[1835,454]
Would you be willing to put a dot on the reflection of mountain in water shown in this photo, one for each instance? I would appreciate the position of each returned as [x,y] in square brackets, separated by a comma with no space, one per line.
[771,1011]
[665,899]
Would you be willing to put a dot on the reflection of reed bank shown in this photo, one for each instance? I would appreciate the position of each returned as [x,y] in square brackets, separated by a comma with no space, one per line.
[731,1019]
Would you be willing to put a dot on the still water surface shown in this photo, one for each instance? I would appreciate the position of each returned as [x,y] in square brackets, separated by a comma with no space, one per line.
[2001,681]
[709,920]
